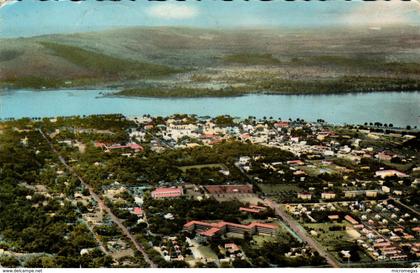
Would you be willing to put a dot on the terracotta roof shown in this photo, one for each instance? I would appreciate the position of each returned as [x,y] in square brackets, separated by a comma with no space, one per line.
[281,124]
[138,211]
[249,210]
[162,190]
[232,247]
[167,192]
[210,232]
[222,224]
[351,220]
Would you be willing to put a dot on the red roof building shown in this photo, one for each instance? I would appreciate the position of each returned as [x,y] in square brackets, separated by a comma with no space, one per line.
[281,124]
[138,211]
[211,229]
[167,192]
[416,229]
[304,195]
[232,247]
[351,220]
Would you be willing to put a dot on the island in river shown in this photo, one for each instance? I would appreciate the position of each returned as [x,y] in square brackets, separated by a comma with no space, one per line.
[188,62]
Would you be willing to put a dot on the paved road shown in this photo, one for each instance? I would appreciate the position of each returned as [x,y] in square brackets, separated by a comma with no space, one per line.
[102,204]
[302,233]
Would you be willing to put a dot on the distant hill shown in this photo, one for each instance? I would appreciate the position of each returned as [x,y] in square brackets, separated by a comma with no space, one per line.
[154,52]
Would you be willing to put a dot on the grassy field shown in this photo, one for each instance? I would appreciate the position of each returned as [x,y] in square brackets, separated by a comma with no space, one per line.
[280,192]
[334,240]
[207,252]
[329,239]
[260,239]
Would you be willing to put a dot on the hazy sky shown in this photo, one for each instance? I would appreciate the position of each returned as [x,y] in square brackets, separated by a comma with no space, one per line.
[33,17]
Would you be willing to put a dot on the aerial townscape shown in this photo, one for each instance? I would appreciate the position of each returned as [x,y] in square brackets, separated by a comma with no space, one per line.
[199,191]
[173,134]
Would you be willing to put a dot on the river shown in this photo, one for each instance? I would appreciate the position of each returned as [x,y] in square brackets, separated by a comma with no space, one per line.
[398,108]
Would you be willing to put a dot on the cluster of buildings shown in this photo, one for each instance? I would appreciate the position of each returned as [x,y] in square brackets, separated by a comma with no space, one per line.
[171,249]
[384,230]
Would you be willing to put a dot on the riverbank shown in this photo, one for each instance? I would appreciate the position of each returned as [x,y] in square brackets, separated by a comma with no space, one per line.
[338,86]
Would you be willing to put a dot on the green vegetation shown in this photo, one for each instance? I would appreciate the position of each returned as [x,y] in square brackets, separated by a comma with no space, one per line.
[179,92]
[334,237]
[34,82]
[340,85]
[8,55]
[94,68]
[185,209]
[360,63]
[208,174]
[124,57]
[278,188]
[224,121]
[38,224]
[347,84]
[271,251]
[217,166]
[107,66]
[251,59]
[44,210]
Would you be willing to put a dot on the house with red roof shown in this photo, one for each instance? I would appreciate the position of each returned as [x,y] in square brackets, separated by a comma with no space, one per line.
[351,220]
[281,124]
[138,211]
[232,247]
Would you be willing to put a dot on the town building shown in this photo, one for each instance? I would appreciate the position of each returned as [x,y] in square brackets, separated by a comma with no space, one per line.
[210,230]
[167,192]
[304,195]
